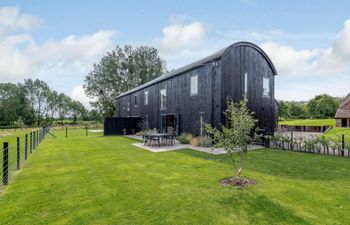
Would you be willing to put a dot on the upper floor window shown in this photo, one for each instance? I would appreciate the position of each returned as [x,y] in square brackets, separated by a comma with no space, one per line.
[266,87]
[245,85]
[146,98]
[194,84]
[135,100]
[163,99]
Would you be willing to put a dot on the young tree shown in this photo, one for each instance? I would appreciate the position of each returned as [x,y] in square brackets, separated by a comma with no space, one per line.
[236,135]
[121,70]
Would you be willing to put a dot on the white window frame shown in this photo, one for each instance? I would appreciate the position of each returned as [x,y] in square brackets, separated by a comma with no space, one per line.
[246,85]
[266,87]
[194,87]
[136,100]
[163,103]
[146,97]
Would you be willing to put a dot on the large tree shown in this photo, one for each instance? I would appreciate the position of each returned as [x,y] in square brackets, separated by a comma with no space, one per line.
[120,70]
[322,106]
[13,105]
[37,91]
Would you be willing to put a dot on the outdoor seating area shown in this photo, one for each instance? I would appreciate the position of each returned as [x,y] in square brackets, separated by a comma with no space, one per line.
[158,139]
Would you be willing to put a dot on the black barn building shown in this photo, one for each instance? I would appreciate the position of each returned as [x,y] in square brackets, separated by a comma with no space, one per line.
[182,100]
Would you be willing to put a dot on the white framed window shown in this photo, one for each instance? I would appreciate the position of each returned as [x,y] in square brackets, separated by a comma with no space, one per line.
[194,84]
[266,87]
[163,99]
[146,98]
[245,85]
[135,100]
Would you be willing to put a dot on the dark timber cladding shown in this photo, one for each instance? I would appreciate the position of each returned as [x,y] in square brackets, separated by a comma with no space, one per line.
[184,99]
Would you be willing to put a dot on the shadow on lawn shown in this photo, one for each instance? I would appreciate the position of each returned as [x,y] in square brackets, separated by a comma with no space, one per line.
[287,164]
[259,209]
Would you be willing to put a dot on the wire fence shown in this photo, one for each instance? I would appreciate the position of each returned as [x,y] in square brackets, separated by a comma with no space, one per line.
[311,144]
[15,153]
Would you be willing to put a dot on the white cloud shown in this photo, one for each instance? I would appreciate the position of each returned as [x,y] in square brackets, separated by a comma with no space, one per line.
[21,56]
[180,36]
[11,20]
[289,60]
[327,61]
[78,94]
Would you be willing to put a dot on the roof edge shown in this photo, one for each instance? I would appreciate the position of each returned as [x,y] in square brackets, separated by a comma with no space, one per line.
[199,63]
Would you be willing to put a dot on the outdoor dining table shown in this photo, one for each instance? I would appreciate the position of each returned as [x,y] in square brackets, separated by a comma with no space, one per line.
[158,136]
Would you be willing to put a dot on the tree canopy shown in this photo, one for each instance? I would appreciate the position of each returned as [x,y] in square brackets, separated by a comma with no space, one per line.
[121,70]
[34,102]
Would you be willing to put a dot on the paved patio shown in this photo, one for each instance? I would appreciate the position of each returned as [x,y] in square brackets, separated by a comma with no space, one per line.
[178,146]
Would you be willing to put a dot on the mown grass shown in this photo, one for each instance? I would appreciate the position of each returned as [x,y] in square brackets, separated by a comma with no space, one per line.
[106,180]
[309,122]
[336,133]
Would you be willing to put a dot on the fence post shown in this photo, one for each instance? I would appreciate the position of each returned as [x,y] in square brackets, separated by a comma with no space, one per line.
[291,141]
[5,165]
[26,147]
[37,138]
[18,153]
[34,141]
[30,142]
[66,131]
[86,130]
[342,145]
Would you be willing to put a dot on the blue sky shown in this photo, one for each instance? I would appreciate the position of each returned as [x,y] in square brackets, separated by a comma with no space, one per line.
[58,41]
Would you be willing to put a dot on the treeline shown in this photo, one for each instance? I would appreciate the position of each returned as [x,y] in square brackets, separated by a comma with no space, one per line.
[33,102]
[320,107]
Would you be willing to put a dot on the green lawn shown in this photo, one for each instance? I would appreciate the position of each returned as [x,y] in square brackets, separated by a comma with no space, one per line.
[336,132]
[105,180]
[309,122]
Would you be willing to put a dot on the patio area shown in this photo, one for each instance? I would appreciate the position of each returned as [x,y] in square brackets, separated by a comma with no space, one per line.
[178,146]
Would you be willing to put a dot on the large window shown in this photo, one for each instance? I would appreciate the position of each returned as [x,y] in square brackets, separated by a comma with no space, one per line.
[163,99]
[194,84]
[266,87]
[135,100]
[245,85]
[146,97]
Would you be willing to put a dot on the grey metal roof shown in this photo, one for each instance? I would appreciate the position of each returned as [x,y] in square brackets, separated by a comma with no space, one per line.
[196,64]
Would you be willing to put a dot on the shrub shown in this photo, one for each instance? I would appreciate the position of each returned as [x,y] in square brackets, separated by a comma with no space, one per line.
[205,141]
[183,138]
[189,137]
[195,141]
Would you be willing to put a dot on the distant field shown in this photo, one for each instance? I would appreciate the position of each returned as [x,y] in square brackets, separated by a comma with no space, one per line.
[316,122]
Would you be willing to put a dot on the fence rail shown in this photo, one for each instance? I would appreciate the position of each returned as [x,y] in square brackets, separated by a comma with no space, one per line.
[310,144]
[15,154]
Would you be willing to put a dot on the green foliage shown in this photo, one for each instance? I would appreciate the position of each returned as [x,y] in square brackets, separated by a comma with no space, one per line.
[205,141]
[33,101]
[120,70]
[322,106]
[183,138]
[238,132]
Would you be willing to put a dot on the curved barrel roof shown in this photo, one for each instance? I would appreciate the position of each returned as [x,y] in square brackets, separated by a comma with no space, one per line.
[199,63]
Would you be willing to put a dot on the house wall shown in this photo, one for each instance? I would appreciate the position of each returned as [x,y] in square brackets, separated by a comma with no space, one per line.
[216,80]
[186,107]
[245,59]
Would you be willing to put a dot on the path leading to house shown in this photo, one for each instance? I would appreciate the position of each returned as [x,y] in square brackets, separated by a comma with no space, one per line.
[106,180]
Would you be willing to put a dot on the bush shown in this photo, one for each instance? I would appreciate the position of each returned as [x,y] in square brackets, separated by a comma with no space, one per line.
[195,141]
[205,141]
[183,138]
